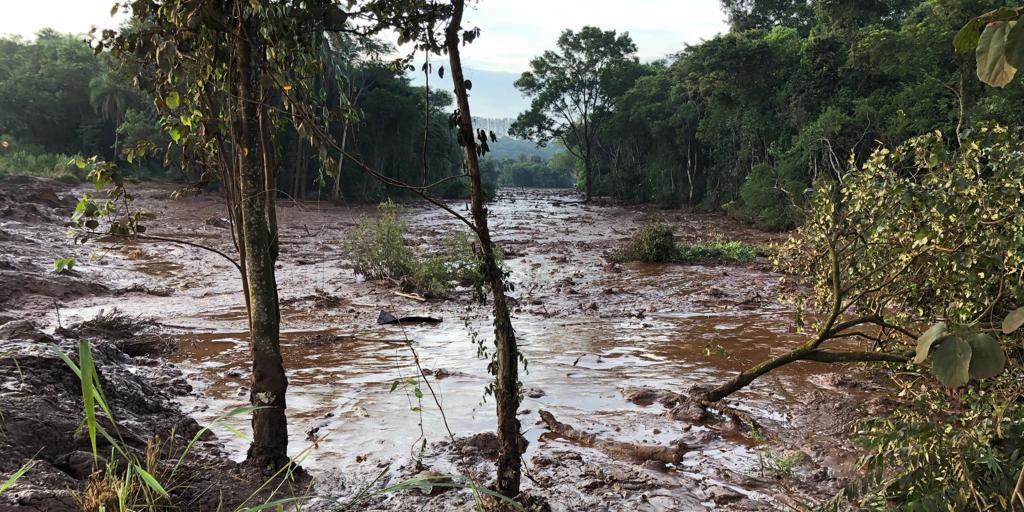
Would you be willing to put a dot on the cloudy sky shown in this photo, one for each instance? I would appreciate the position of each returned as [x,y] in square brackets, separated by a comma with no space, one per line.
[513,31]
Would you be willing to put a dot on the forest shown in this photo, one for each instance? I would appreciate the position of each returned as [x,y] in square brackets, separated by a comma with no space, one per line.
[262,255]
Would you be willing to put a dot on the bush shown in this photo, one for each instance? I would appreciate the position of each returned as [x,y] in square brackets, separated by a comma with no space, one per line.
[655,243]
[45,165]
[379,250]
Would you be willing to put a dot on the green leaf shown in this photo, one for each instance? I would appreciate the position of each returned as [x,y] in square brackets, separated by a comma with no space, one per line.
[967,38]
[925,341]
[993,68]
[951,361]
[1015,46]
[172,100]
[151,482]
[1013,321]
[987,356]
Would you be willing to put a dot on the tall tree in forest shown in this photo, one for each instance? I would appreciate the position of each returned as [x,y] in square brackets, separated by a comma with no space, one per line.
[571,90]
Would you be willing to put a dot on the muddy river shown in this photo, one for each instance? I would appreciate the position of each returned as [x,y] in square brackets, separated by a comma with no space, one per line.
[589,329]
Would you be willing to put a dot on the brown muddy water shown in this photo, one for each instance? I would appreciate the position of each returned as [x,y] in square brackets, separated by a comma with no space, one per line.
[588,328]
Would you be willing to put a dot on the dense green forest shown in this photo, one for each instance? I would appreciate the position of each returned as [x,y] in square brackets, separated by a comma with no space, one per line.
[748,120]
[62,100]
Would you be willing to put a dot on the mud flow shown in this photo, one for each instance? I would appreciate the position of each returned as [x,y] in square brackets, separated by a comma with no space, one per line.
[604,343]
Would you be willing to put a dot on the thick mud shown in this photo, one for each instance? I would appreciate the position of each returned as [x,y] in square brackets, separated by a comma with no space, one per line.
[603,342]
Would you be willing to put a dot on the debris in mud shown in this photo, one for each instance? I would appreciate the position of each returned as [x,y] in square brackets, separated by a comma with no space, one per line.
[439,373]
[218,222]
[534,393]
[134,335]
[19,286]
[385,318]
[617,449]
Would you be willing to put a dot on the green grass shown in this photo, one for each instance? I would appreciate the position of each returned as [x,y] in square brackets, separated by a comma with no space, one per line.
[42,165]
[655,243]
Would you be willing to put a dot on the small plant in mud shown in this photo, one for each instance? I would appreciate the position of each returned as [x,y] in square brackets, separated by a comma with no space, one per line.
[779,463]
[655,243]
[63,265]
[379,250]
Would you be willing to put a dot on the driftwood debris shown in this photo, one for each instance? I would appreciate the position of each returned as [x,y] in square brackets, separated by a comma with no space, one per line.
[672,454]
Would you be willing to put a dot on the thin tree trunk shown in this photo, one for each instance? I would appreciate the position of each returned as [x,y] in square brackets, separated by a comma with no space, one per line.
[507,378]
[336,192]
[269,447]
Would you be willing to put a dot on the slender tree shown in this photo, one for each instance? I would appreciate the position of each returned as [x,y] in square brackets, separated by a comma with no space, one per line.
[218,72]
[572,90]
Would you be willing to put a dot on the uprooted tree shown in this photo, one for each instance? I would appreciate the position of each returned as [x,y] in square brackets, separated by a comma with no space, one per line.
[918,235]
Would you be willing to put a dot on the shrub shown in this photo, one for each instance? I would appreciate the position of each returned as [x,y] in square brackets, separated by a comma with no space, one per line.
[655,243]
[379,250]
[377,247]
[919,234]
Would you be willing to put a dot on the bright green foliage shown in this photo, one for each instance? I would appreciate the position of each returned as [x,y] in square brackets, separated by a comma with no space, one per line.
[655,243]
[46,165]
[926,233]
[63,265]
[379,250]
[937,453]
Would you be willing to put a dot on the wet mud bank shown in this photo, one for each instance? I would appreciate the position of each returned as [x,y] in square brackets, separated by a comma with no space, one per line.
[593,332]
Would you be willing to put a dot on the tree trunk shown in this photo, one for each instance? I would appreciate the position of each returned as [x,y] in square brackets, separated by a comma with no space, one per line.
[507,372]
[588,176]
[269,447]
[336,192]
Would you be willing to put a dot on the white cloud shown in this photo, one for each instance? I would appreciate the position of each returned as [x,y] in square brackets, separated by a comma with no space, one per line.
[25,18]
[513,31]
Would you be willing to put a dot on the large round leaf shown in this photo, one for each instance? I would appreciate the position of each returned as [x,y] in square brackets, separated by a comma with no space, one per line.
[987,357]
[993,68]
[925,341]
[951,361]
[1013,321]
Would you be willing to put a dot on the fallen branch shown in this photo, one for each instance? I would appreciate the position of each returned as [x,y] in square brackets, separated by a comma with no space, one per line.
[412,296]
[617,449]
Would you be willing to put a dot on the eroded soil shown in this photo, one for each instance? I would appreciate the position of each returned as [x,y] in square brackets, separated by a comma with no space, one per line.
[604,342]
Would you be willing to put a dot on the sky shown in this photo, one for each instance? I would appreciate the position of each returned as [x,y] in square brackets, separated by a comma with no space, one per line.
[513,31]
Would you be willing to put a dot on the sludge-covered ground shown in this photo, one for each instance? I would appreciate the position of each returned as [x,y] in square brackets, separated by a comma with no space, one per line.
[602,341]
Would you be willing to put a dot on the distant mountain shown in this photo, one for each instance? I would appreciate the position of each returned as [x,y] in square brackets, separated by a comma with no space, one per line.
[493,94]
